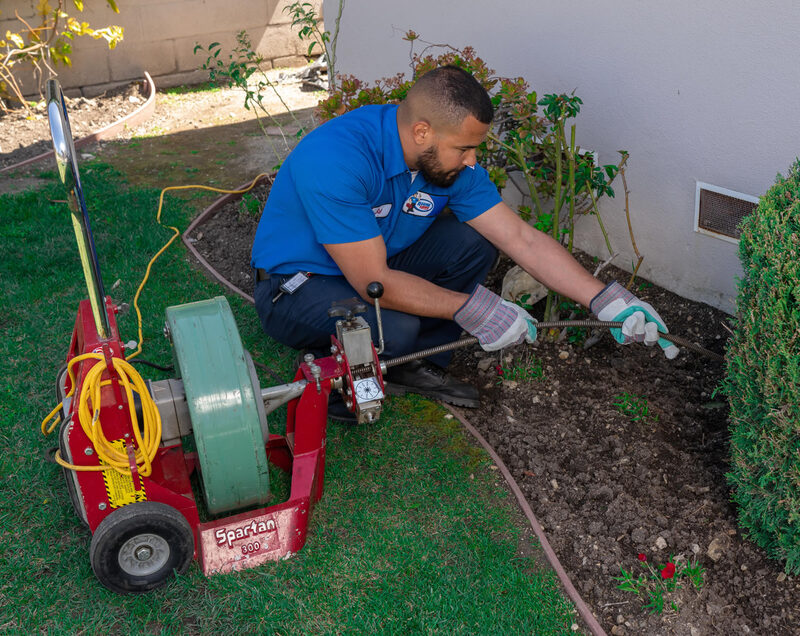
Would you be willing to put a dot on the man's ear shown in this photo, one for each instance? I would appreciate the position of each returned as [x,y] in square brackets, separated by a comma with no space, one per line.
[421,131]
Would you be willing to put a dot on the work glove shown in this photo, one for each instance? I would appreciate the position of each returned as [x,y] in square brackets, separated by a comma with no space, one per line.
[640,322]
[495,322]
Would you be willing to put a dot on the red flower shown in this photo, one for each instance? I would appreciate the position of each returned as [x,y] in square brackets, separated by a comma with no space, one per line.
[668,572]
[499,370]
[642,556]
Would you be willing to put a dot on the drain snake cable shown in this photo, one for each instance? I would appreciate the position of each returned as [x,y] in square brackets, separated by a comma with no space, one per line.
[552,324]
[149,438]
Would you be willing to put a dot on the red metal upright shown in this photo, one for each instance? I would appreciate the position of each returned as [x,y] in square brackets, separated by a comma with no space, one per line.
[279,531]
[99,493]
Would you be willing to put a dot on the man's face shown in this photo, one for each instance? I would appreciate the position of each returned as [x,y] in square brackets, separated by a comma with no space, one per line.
[451,151]
[430,165]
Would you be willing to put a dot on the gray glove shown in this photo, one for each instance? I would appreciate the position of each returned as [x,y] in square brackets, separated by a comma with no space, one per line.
[640,322]
[495,322]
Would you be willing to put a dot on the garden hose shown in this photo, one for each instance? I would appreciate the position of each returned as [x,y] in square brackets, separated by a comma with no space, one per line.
[176,233]
[552,324]
[147,440]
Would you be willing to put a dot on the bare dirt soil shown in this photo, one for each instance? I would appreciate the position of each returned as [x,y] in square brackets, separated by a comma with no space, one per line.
[607,484]
[619,451]
[194,136]
[30,132]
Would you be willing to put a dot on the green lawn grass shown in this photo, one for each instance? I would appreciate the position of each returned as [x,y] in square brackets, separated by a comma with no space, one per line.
[414,534]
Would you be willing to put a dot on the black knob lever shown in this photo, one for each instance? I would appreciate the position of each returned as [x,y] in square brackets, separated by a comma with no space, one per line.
[375,291]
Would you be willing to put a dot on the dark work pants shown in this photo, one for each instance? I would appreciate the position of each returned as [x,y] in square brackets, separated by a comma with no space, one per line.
[450,254]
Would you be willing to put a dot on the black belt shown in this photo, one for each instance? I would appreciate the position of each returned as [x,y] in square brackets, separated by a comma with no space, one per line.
[261,274]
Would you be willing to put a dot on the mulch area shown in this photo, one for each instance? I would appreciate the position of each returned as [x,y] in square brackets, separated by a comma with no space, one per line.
[26,134]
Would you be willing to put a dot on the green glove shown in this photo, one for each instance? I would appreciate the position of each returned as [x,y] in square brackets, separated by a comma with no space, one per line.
[640,322]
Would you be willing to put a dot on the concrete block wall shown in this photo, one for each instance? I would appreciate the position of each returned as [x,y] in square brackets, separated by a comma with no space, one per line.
[160,36]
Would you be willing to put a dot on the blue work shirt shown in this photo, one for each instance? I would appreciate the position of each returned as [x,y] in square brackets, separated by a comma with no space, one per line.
[348,181]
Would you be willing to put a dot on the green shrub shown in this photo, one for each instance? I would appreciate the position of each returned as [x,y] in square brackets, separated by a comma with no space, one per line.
[763,375]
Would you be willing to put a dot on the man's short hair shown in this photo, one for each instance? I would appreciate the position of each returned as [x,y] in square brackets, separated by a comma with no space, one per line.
[452,94]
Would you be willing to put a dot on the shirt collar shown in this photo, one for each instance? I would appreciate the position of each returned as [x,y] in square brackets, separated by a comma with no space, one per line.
[394,162]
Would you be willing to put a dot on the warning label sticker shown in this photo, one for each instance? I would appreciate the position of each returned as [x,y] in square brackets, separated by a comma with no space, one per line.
[120,488]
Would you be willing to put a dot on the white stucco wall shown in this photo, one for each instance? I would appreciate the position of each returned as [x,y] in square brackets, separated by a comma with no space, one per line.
[694,91]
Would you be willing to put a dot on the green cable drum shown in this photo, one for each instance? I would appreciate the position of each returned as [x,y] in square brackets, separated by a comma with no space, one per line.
[223,400]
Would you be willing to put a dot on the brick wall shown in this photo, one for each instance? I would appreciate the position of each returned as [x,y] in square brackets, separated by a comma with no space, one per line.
[160,36]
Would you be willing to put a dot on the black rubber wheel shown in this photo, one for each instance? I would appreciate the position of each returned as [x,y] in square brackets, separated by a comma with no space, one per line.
[63,425]
[141,546]
[61,393]
[69,475]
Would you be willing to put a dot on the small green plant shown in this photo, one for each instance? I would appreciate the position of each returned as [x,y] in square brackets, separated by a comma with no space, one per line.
[577,335]
[574,311]
[243,70]
[45,45]
[306,21]
[250,206]
[528,370]
[656,584]
[634,406]
[522,301]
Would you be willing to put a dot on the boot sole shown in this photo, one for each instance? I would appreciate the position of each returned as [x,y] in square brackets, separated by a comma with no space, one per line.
[399,389]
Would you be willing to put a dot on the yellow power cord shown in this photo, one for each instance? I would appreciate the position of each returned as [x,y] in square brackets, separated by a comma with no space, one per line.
[148,442]
[176,233]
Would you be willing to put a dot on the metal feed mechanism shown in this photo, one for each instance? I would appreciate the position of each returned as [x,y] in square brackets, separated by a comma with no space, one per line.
[121,438]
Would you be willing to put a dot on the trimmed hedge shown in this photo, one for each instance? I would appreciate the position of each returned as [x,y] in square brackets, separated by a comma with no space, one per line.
[763,375]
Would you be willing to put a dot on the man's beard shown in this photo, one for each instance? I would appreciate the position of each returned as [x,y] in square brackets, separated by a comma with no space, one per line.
[431,169]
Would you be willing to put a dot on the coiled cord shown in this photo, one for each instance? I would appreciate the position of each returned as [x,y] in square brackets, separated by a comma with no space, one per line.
[146,441]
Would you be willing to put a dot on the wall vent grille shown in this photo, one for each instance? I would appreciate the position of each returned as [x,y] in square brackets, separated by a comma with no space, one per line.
[718,211]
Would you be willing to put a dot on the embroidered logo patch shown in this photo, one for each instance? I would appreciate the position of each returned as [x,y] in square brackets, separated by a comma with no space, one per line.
[382,210]
[424,204]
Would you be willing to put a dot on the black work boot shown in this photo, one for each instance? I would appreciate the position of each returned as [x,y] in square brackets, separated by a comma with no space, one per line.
[430,380]
[337,411]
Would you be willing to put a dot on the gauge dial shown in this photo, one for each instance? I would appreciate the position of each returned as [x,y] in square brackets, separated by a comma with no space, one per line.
[367,389]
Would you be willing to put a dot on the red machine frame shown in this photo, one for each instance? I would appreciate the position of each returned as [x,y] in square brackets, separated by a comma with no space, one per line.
[231,543]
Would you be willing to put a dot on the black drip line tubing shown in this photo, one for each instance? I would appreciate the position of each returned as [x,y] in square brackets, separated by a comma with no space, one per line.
[583,609]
